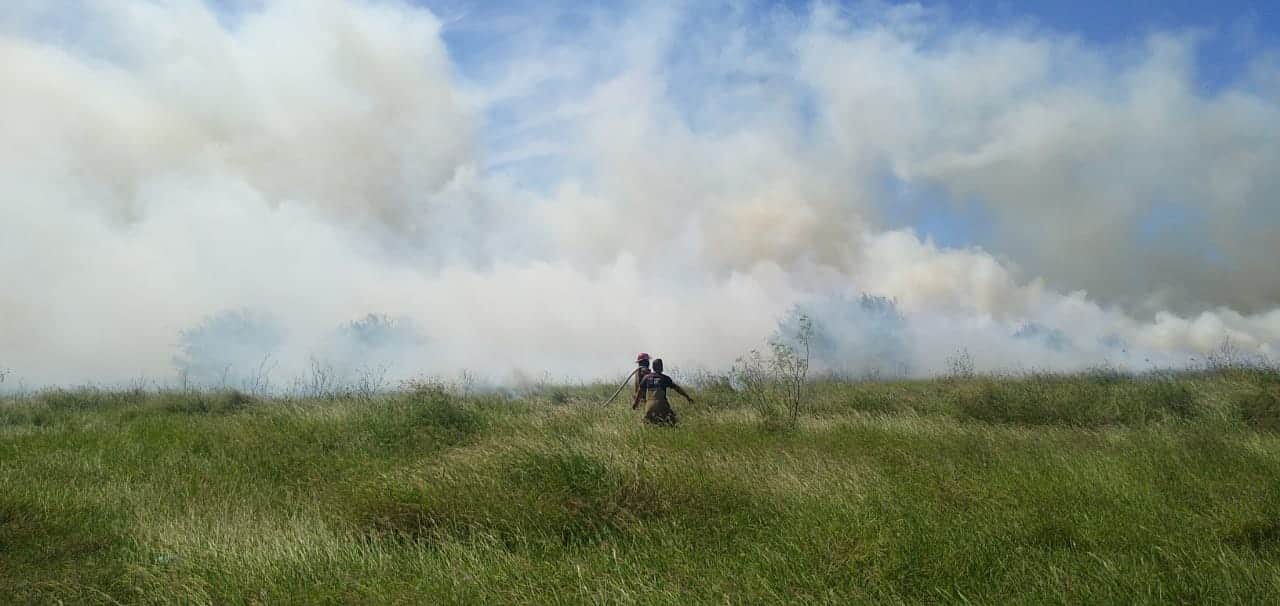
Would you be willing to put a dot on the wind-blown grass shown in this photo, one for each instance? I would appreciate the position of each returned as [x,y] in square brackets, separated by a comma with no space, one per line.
[1083,489]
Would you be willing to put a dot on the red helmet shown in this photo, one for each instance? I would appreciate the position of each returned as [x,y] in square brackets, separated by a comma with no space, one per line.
[642,357]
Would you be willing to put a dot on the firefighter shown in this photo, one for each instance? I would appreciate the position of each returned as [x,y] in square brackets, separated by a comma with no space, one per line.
[642,369]
[653,388]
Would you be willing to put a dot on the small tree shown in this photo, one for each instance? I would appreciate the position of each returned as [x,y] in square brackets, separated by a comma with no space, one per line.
[371,380]
[1229,356]
[258,382]
[791,363]
[960,365]
[321,380]
[864,336]
[754,380]
[224,349]
[777,386]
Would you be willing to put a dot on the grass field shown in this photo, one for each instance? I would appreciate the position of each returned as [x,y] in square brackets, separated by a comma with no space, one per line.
[1097,488]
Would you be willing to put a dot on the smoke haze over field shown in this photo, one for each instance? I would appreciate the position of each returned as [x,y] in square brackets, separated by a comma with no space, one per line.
[544,189]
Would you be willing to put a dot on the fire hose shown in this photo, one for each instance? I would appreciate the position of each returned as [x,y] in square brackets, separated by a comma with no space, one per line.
[620,387]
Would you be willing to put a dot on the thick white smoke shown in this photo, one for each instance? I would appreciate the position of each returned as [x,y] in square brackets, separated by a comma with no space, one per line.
[648,179]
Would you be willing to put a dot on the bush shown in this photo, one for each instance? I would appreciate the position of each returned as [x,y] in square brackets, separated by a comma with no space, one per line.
[1260,536]
[445,413]
[1088,400]
[778,386]
[206,402]
[1169,396]
[557,497]
[88,398]
[1259,407]
[710,383]
[428,408]
[872,400]
[229,348]
[960,365]
[1035,401]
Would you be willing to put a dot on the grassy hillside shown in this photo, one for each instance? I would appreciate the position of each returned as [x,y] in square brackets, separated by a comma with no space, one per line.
[1087,489]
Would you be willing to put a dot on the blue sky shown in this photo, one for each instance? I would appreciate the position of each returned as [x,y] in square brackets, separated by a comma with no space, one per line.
[1234,30]
[1230,34]
[1110,21]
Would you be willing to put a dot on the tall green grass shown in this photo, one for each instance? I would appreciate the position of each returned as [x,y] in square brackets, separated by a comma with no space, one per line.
[1097,488]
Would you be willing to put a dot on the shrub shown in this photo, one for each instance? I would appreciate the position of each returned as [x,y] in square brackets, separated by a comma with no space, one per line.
[1037,400]
[87,398]
[960,365]
[206,402]
[1168,395]
[1261,536]
[430,405]
[777,386]
[861,336]
[712,383]
[446,414]
[1259,407]
[227,349]
[872,400]
[1089,400]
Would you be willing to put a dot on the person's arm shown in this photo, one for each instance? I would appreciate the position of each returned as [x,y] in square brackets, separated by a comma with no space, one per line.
[635,401]
[681,391]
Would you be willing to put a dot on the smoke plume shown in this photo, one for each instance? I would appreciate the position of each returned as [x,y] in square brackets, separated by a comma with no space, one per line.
[194,186]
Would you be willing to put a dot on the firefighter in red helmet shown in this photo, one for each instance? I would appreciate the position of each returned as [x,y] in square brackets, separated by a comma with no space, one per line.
[642,369]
